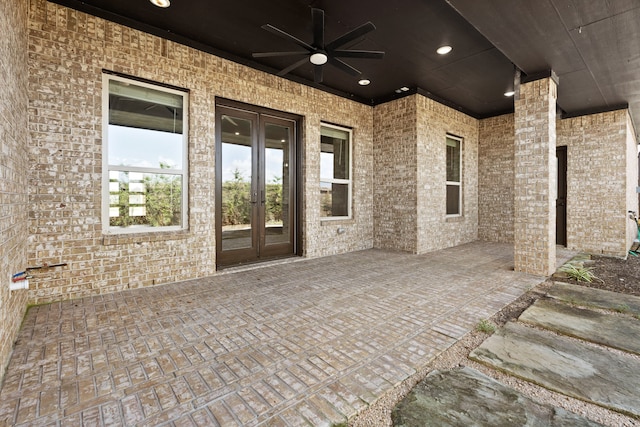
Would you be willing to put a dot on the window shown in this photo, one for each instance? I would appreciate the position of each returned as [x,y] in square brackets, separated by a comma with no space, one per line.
[145,157]
[335,172]
[454,176]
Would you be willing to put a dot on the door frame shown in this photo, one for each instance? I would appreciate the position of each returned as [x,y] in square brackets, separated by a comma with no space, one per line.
[561,189]
[247,110]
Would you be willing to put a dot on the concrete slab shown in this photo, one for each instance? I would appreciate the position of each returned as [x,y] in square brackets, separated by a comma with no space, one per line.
[567,366]
[466,397]
[582,295]
[619,332]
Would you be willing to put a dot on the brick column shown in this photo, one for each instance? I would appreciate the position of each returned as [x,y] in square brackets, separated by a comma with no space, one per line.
[535,175]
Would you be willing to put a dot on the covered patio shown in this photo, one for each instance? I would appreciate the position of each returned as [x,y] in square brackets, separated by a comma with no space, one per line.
[301,342]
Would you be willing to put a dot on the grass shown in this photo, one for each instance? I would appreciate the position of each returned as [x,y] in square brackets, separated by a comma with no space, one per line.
[581,274]
[486,326]
[623,308]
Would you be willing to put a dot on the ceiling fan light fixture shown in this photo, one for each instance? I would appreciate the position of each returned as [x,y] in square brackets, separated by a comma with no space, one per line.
[318,58]
[161,3]
[443,50]
[364,82]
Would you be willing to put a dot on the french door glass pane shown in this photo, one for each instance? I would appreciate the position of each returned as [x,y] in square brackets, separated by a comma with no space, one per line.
[237,164]
[277,227]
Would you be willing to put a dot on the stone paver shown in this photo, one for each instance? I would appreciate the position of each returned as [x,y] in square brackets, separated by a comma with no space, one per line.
[619,332]
[310,342]
[583,295]
[465,397]
[568,366]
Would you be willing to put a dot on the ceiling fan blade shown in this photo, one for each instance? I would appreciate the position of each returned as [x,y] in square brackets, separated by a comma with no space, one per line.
[284,35]
[317,74]
[272,54]
[351,35]
[293,66]
[344,66]
[317,16]
[370,54]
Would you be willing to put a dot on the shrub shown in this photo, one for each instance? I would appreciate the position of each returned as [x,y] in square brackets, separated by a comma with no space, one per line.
[486,326]
[581,274]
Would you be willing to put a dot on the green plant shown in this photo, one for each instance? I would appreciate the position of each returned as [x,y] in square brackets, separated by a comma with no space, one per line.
[486,326]
[581,274]
[622,308]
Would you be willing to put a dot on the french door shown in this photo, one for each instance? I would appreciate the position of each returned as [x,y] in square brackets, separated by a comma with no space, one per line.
[256,197]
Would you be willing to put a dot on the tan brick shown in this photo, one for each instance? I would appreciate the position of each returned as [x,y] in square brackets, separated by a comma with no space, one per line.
[66,152]
[601,179]
[496,179]
[14,163]
[410,189]
[534,195]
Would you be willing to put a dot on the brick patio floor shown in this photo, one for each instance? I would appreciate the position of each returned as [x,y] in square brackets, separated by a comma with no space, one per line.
[310,342]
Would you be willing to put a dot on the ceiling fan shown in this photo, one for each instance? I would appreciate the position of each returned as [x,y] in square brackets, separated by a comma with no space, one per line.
[319,53]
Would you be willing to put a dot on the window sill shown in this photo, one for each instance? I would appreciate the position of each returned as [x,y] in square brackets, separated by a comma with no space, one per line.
[144,237]
[455,218]
[337,221]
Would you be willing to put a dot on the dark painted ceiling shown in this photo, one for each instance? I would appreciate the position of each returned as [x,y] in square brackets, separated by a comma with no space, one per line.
[592,45]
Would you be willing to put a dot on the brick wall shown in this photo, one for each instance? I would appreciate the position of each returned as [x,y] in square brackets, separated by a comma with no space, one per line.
[535,181]
[409,164]
[395,165]
[13,167]
[496,175]
[632,178]
[602,162]
[321,238]
[601,176]
[67,52]
[435,230]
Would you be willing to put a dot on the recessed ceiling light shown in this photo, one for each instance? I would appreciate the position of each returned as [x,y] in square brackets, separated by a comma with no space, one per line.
[364,82]
[509,93]
[404,89]
[443,50]
[237,133]
[161,3]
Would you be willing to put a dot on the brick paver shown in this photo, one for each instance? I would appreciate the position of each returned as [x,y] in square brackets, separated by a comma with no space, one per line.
[300,343]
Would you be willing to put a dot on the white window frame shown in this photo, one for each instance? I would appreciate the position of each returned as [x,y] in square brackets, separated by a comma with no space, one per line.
[349,181]
[455,183]
[106,168]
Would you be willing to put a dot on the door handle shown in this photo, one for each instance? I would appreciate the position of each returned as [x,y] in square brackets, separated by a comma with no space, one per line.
[262,198]
[254,196]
